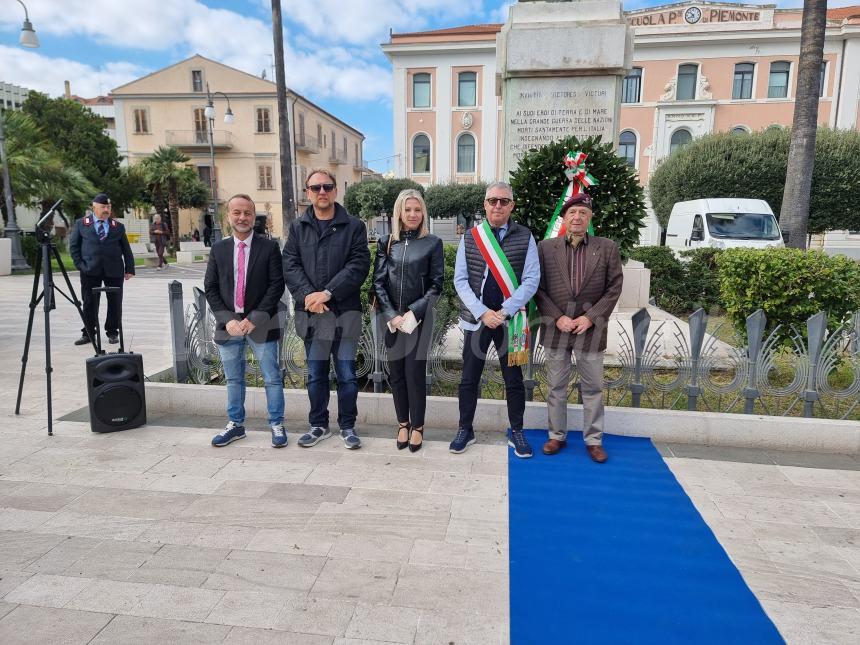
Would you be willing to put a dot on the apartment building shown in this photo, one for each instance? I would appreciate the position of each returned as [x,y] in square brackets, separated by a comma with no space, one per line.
[168,106]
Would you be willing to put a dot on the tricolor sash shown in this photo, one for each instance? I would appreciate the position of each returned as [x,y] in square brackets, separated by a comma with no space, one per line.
[503,272]
[579,178]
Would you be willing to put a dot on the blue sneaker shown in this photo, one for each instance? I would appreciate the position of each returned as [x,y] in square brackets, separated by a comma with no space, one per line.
[463,440]
[517,441]
[350,439]
[232,432]
[313,436]
[279,436]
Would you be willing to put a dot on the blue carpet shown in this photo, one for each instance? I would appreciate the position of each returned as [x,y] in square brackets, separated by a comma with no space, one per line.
[617,553]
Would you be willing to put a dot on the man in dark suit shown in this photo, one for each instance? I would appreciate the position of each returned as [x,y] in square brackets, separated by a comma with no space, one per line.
[244,284]
[580,283]
[101,252]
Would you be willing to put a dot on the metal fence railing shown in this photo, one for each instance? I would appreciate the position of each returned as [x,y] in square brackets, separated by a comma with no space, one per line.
[656,365]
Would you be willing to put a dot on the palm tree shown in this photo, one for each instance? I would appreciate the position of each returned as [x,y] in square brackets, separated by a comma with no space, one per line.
[794,214]
[165,169]
[39,174]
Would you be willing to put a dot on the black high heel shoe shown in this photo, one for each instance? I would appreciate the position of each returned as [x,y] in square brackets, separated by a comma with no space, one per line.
[415,447]
[402,444]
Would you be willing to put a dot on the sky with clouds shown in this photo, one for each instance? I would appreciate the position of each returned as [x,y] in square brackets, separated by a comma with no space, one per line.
[331,47]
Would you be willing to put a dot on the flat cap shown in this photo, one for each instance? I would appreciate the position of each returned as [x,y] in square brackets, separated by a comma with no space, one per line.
[101,198]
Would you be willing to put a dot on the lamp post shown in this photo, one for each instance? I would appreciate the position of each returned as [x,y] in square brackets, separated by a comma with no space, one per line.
[12,230]
[28,36]
[228,118]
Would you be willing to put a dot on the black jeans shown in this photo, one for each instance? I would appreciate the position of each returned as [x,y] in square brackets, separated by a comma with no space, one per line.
[475,346]
[407,367]
[91,303]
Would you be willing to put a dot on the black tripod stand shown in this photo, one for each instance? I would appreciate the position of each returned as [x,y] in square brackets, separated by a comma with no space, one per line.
[47,251]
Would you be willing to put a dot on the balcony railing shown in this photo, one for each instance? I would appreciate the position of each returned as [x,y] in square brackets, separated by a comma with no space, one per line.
[196,139]
[305,143]
[338,157]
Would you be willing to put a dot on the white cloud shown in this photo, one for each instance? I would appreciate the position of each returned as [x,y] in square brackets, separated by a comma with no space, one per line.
[185,27]
[36,72]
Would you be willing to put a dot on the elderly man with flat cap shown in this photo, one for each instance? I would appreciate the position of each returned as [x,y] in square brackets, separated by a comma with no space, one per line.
[101,252]
[580,283]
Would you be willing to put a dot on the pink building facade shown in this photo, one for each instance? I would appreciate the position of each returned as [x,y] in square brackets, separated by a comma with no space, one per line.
[698,67]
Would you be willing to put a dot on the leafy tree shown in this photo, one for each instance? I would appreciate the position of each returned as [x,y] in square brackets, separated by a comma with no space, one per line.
[754,166]
[172,184]
[391,188]
[370,199]
[40,175]
[447,201]
[78,136]
[539,181]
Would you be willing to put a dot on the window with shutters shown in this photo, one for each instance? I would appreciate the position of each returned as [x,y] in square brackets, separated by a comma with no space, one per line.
[201,132]
[265,174]
[264,120]
[141,120]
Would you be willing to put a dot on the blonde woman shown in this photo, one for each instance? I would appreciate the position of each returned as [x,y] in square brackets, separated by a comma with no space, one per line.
[407,279]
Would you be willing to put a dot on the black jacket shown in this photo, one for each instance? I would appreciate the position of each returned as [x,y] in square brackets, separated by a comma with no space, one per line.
[348,260]
[409,275]
[111,257]
[264,286]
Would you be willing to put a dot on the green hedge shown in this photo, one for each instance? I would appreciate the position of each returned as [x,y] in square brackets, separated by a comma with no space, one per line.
[789,285]
[680,286]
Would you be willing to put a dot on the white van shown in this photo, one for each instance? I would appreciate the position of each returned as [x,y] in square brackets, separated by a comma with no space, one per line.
[722,223]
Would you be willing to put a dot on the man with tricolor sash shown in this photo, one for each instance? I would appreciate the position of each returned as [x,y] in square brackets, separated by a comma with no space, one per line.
[581,278]
[496,274]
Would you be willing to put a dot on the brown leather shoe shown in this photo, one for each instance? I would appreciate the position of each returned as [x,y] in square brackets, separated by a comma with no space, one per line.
[597,454]
[552,446]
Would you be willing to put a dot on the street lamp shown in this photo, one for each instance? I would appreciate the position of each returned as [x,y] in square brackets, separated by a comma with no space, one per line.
[228,118]
[28,34]
[12,231]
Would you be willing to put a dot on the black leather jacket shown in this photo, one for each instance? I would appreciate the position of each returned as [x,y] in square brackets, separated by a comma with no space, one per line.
[409,275]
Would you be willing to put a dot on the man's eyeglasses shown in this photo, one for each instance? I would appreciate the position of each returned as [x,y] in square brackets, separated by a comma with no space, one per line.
[502,201]
[315,188]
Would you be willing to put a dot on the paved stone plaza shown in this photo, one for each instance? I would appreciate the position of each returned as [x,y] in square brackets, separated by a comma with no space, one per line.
[153,535]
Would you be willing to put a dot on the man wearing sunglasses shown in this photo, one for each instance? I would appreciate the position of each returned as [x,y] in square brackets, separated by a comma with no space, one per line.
[326,260]
[498,249]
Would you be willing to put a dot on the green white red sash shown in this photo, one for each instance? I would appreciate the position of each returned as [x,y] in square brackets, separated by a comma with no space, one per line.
[503,272]
[580,179]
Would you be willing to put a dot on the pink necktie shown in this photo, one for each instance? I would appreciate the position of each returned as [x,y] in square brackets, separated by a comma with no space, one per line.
[240,283]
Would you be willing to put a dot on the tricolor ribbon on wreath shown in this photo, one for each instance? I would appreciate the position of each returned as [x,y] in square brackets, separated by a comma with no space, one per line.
[519,328]
[580,179]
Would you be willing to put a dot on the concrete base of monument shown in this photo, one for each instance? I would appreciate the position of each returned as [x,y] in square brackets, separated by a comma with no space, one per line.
[703,428]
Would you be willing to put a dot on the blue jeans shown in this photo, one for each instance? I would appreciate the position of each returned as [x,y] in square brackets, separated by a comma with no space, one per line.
[233,358]
[318,352]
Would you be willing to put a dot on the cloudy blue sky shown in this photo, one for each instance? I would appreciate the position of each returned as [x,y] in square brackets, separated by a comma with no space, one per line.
[331,46]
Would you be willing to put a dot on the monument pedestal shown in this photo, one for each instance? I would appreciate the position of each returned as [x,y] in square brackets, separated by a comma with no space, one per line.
[560,70]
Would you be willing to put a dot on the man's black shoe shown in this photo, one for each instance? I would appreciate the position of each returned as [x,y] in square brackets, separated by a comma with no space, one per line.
[83,340]
[113,339]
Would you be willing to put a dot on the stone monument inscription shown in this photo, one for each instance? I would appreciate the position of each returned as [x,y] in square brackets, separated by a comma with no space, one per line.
[541,110]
